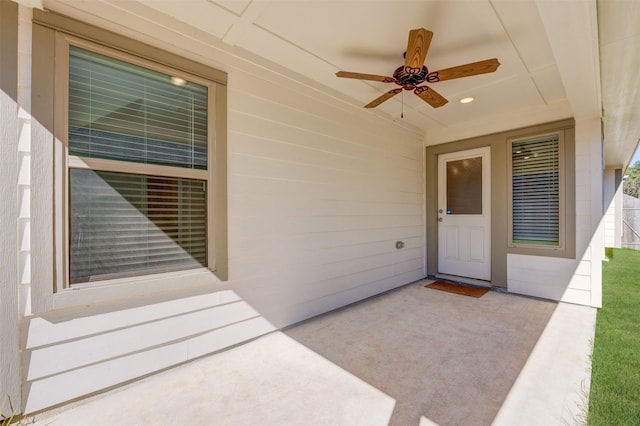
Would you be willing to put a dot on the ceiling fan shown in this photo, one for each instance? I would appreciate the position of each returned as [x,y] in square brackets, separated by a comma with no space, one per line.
[413,73]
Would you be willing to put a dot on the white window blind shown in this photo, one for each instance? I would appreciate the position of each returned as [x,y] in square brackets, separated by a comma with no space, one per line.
[123,224]
[535,168]
[122,111]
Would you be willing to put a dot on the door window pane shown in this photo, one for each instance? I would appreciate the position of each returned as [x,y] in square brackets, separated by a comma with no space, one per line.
[464,186]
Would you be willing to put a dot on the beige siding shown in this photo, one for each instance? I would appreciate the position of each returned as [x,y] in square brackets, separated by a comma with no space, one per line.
[317,202]
[9,209]
[575,281]
[319,191]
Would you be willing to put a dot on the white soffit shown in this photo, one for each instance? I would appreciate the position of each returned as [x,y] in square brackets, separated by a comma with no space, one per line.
[571,28]
[312,39]
[619,24]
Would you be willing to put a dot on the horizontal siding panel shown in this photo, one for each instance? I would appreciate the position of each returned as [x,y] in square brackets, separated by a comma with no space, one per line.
[550,278]
[263,226]
[83,381]
[263,148]
[244,125]
[269,262]
[297,290]
[329,109]
[578,297]
[330,114]
[92,378]
[315,241]
[312,153]
[280,113]
[584,268]
[303,310]
[311,192]
[307,270]
[78,323]
[97,348]
[228,336]
[588,255]
[580,282]
[401,205]
[282,170]
[252,126]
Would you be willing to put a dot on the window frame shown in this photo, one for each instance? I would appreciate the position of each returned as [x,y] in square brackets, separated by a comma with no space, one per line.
[561,192]
[65,162]
[48,290]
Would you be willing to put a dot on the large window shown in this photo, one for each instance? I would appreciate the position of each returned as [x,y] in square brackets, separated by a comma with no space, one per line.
[129,178]
[536,217]
[138,166]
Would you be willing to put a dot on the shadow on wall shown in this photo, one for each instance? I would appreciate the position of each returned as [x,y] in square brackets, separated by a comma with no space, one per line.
[72,353]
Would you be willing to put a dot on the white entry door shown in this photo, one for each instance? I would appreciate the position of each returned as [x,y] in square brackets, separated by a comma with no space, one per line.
[464,219]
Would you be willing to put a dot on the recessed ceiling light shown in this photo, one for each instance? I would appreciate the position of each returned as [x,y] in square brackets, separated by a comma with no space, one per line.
[467,100]
[178,81]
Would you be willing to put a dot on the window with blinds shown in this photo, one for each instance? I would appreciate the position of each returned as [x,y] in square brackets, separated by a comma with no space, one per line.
[138,185]
[535,191]
[125,112]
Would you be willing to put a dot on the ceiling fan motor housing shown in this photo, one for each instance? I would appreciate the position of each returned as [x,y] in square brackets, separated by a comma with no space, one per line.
[407,77]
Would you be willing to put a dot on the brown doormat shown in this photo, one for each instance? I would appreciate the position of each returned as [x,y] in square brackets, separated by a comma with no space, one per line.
[458,288]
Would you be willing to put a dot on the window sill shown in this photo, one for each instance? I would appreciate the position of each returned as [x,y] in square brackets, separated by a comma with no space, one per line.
[108,290]
[540,250]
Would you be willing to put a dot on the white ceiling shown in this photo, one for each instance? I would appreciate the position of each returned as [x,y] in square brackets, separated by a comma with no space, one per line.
[549,53]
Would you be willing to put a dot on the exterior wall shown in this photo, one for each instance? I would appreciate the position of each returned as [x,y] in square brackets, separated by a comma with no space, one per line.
[319,191]
[618,202]
[609,215]
[9,310]
[500,249]
[580,280]
[319,194]
[613,204]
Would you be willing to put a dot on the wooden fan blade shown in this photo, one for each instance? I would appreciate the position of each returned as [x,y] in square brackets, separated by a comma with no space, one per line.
[474,68]
[417,48]
[360,76]
[380,99]
[430,96]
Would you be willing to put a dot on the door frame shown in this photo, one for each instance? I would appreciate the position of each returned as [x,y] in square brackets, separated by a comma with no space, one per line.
[500,154]
[483,270]
[498,206]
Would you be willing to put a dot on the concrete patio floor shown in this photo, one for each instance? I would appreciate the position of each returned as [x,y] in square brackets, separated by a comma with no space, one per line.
[413,356]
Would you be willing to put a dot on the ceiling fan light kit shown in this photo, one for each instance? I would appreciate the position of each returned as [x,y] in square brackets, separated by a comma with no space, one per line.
[413,73]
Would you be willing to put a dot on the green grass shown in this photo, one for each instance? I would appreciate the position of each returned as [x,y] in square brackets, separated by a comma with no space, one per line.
[615,378]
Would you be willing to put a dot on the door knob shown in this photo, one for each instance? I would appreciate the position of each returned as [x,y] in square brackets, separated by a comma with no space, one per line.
[440,211]
[440,219]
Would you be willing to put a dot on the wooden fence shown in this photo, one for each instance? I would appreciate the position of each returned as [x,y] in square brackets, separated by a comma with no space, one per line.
[631,222]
